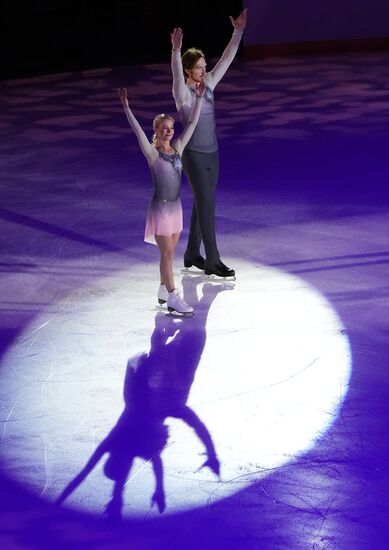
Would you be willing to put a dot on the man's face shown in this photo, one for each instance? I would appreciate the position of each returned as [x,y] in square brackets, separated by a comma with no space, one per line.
[198,71]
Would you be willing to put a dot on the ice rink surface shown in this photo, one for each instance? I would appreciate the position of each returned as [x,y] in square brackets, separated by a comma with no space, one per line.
[259,423]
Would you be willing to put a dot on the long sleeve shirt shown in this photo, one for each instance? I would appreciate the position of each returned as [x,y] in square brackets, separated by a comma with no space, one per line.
[204,138]
[165,168]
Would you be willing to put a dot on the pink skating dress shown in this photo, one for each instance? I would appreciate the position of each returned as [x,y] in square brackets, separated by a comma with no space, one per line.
[164,213]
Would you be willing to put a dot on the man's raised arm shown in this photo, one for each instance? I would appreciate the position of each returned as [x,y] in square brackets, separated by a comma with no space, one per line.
[180,90]
[217,73]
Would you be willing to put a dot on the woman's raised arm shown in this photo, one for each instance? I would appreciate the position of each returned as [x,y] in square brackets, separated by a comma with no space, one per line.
[146,147]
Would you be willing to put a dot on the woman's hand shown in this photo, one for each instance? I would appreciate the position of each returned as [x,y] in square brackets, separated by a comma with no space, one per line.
[123,96]
[200,90]
[240,22]
[176,38]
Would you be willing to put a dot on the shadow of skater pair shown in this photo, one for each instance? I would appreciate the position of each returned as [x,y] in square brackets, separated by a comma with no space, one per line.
[157,386]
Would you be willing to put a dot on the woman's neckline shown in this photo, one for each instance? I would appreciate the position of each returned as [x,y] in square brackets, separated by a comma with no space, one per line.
[166,153]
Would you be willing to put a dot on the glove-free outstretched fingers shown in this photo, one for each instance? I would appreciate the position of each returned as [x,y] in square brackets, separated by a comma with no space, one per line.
[240,22]
[176,38]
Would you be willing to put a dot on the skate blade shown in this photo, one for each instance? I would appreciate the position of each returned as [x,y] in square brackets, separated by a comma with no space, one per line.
[178,314]
[161,307]
[215,278]
[190,271]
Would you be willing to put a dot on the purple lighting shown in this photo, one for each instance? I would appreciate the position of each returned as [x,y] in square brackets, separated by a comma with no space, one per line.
[267,438]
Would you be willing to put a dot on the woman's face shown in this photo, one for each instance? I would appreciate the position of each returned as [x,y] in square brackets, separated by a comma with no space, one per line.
[165,130]
[198,71]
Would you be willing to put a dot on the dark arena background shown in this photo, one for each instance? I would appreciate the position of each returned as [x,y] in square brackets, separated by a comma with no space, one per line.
[261,422]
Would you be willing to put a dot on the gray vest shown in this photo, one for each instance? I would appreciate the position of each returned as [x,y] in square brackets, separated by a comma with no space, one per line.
[203,139]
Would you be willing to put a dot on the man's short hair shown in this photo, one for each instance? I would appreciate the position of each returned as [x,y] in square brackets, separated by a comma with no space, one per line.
[190,58]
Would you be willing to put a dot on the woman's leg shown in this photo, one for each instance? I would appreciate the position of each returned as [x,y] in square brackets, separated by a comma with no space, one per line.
[166,245]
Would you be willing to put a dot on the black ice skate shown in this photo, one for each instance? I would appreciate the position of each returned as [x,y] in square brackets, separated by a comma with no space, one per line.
[222,271]
[196,262]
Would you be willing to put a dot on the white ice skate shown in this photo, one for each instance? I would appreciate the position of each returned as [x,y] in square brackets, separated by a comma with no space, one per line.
[162,295]
[177,305]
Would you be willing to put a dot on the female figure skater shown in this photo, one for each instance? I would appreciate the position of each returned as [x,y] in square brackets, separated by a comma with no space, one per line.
[164,215]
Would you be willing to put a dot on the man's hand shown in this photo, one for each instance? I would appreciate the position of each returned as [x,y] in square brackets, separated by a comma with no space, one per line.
[240,22]
[123,96]
[176,38]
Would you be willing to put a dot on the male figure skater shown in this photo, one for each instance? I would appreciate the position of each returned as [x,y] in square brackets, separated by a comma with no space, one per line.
[200,158]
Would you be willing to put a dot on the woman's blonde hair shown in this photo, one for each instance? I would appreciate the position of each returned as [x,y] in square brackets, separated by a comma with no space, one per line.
[157,121]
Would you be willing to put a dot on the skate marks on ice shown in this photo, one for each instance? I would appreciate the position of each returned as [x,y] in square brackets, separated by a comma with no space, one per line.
[209,406]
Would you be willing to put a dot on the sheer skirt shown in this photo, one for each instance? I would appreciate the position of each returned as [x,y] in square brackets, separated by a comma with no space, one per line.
[163,218]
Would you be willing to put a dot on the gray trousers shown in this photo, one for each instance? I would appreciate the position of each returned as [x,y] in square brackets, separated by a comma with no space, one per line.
[202,171]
